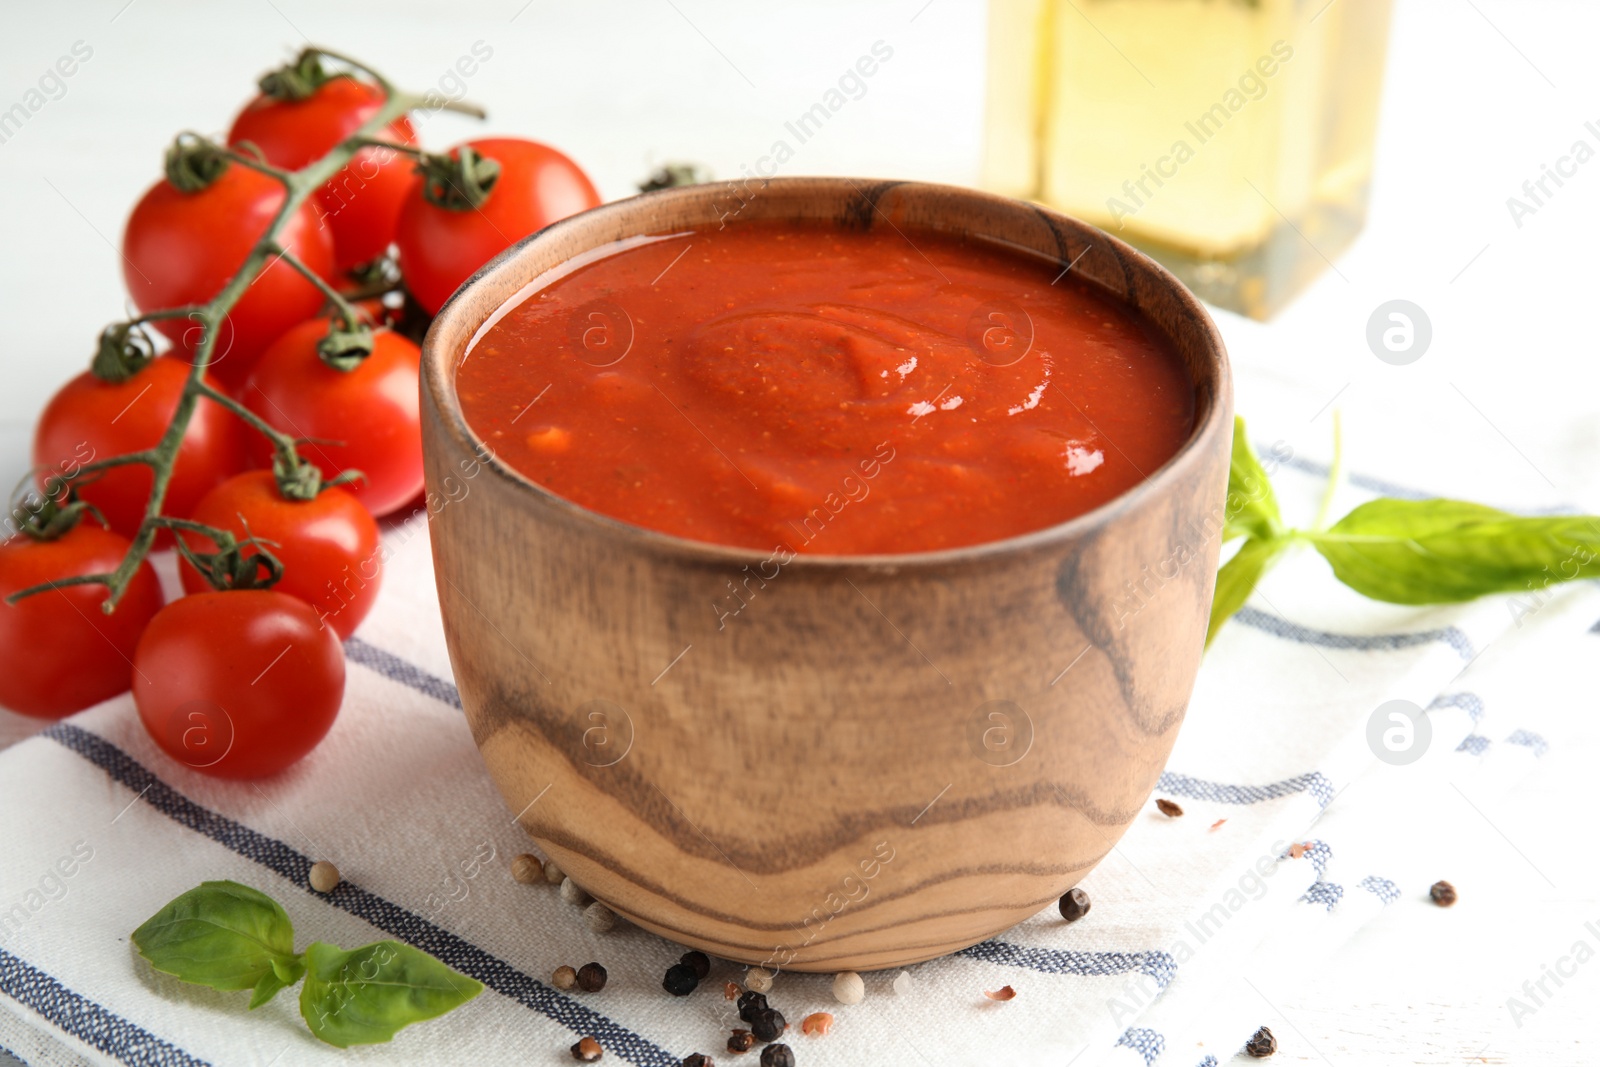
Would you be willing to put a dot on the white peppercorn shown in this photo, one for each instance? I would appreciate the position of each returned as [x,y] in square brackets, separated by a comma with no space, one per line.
[527,869]
[324,877]
[848,988]
[573,893]
[599,918]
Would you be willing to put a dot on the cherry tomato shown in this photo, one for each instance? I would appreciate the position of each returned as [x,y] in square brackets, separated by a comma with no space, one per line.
[59,653]
[361,204]
[239,684]
[90,419]
[440,248]
[182,248]
[372,410]
[328,546]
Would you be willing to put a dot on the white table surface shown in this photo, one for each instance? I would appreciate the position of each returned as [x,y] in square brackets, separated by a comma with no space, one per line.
[1479,94]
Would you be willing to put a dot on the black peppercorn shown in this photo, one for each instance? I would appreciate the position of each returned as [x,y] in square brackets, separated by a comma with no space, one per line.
[768,1024]
[680,980]
[697,1059]
[741,1041]
[1442,894]
[699,961]
[591,978]
[751,1002]
[1074,905]
[1262,1044]
[777,1056]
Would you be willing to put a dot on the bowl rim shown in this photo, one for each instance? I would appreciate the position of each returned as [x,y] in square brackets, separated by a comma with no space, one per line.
[438,383]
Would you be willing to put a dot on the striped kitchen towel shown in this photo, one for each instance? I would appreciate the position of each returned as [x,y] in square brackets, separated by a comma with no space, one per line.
[100,829]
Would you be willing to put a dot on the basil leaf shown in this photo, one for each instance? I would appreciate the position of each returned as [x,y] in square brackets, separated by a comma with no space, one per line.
[1444,551]
[366,995]
[1251,509]
[1237,579]
[223,935]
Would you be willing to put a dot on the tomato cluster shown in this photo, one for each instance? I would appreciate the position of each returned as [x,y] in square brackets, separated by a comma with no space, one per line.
[301,429]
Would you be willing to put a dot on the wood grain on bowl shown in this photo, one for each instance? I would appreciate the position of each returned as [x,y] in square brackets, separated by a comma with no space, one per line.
[879,759]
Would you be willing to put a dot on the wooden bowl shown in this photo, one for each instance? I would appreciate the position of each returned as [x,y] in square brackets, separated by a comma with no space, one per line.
[883,758]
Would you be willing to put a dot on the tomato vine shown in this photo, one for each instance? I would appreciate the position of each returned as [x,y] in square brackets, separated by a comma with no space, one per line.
[125,346]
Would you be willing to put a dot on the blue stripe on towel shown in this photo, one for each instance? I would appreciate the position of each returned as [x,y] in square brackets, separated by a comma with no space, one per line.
[1471,703]
[1314,782]
[1325,893]
[86,1020]
[394,920]
[1155,963]
[1290,631]
[392,666]
[1382,888]
[1360,481]
[1146,1043]
[1528,739]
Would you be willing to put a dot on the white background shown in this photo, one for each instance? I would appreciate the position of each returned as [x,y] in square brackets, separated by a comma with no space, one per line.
[1480,94]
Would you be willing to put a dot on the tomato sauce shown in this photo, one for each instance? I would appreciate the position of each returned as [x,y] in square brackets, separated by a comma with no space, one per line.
[804,387]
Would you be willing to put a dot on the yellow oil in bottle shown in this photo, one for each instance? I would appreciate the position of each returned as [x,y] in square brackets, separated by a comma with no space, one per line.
[1231,139]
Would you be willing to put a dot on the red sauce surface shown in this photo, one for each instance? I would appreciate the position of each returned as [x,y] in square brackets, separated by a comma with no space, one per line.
[829,391]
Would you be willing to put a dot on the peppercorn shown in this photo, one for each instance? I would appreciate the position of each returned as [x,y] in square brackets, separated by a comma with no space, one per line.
[902,983]
[591,978]
[741,1041]
[777,1056]
[587,1050]
[768,1024]
[759,979]
[564,978]
[697,1059]
[599,918]
[730,991]
[1443,893]
[699,962]
[818,1023]
[680,980]
[1074,905]
[324,876]
[527,869]
[750,1003]
[1262,1044]
[1168,808]
[553,874]
[573,893]
[848,988]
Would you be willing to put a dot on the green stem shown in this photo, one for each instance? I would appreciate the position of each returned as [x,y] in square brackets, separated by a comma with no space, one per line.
[127,459]
[299,185]
[347,313]
[280,440]
[62,583]
[245,159]
[168,313]
[1335,474]
[414,151]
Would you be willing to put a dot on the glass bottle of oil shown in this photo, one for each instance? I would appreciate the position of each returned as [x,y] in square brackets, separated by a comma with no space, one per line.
[1230,139]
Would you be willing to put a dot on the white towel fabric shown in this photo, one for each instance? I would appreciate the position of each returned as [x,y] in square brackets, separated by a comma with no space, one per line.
[1197,922]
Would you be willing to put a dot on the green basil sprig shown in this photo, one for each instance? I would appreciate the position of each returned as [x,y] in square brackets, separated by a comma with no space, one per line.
[1400,551]
[229,936]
